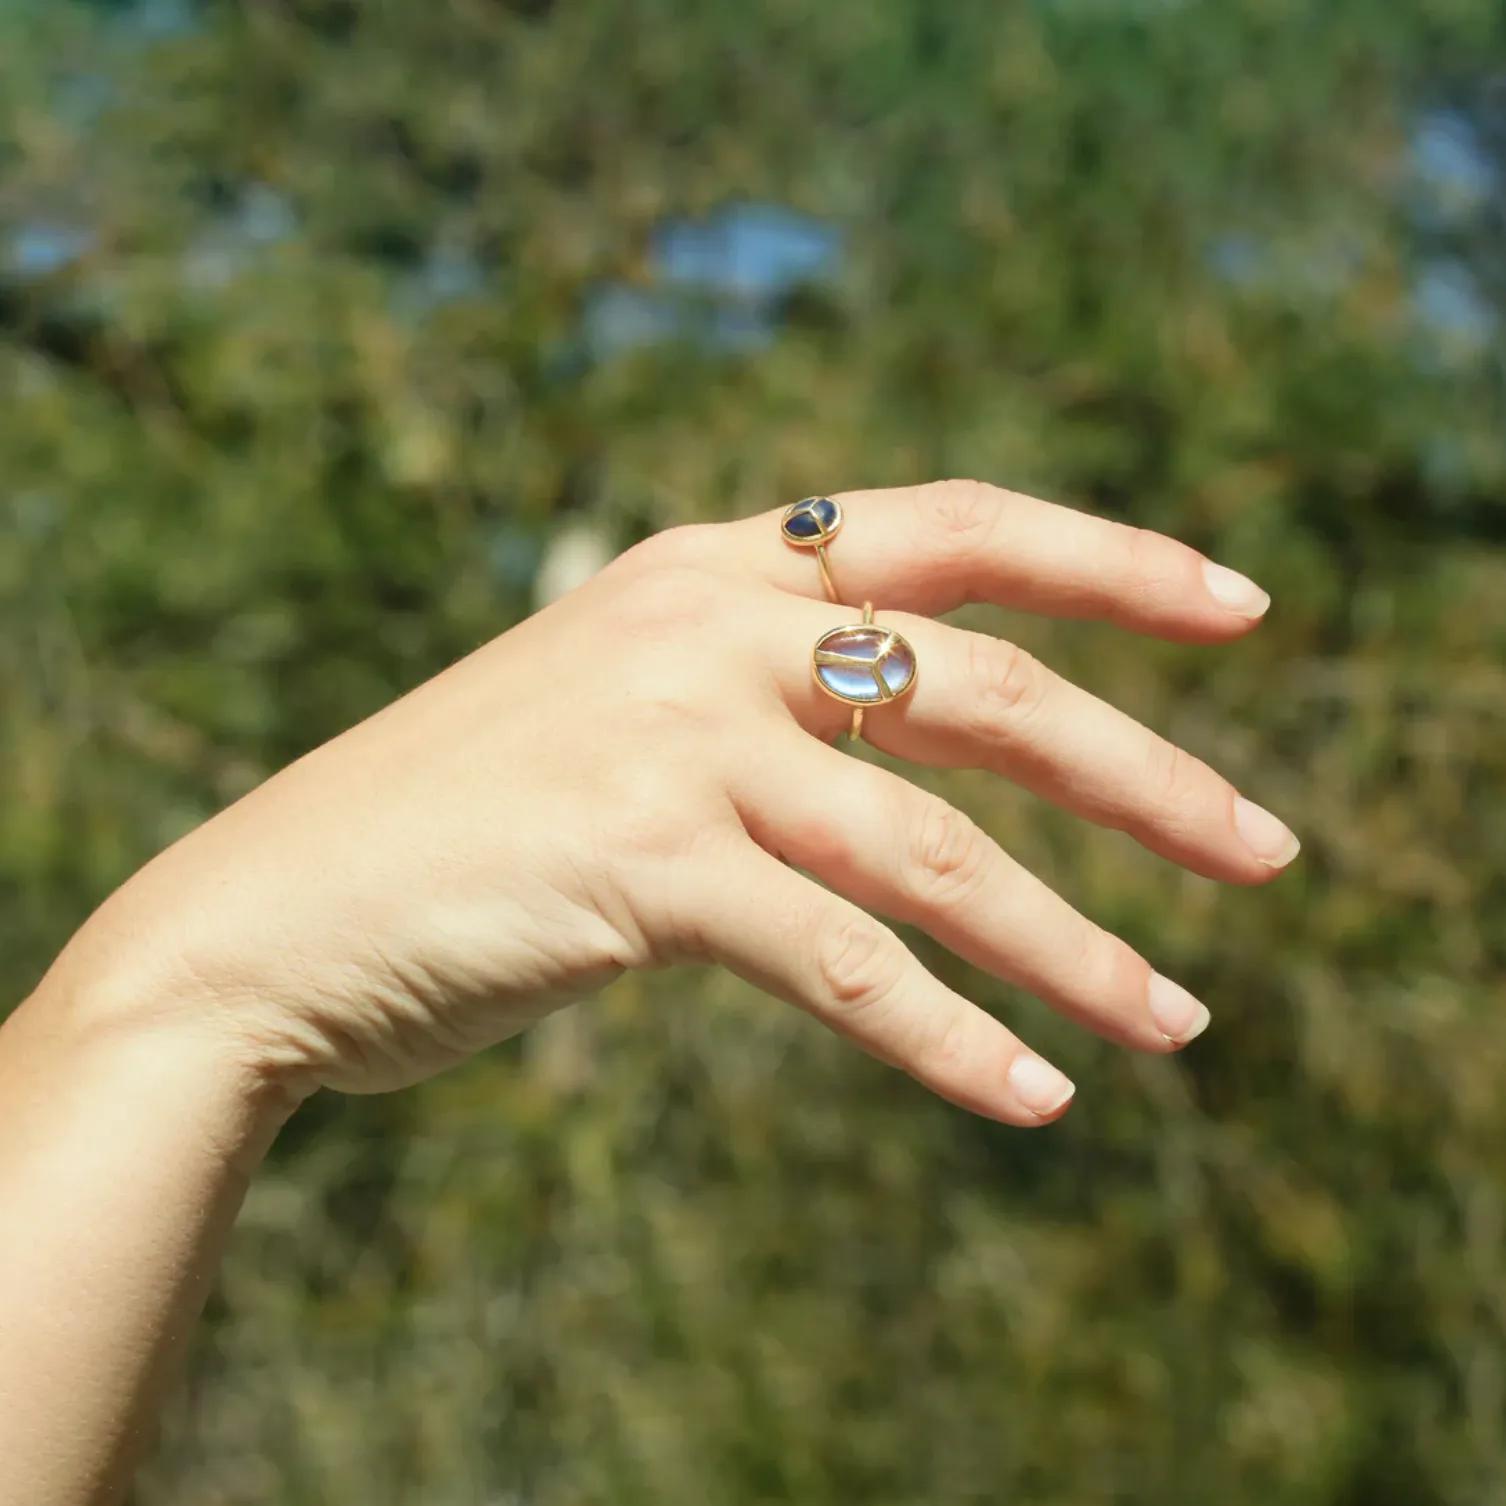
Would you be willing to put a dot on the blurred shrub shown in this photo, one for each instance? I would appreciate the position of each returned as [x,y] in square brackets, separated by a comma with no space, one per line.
[303,361]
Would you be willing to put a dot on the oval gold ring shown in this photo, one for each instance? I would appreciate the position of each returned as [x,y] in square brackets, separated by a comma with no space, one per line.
[812,524]
[864,665]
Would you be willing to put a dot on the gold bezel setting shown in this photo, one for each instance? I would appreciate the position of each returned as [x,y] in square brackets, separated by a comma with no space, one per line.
[887,644]
[812,523]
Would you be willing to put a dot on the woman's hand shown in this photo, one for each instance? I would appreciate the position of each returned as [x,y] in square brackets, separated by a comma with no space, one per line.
[642,774]
[634,776]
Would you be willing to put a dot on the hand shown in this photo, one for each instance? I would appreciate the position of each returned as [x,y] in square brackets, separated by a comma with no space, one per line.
[636,775]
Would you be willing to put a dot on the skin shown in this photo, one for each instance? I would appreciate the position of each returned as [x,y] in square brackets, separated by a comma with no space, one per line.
[640,774]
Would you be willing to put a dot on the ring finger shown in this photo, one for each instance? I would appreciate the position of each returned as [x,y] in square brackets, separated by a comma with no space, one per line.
[980,702]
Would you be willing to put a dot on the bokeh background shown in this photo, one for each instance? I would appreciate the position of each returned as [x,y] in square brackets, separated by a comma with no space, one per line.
[335,333]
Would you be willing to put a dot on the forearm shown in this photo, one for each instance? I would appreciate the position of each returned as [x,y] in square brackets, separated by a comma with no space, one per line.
[127,1137]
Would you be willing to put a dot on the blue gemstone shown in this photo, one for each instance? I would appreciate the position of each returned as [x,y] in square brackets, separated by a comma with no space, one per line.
[826,510]
[803,525]
[857,683]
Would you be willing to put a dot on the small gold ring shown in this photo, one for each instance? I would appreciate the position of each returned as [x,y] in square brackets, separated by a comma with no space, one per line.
[813,524]
[864,665]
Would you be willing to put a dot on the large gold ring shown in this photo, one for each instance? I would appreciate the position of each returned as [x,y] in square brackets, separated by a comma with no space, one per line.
[813,524]
[863,666]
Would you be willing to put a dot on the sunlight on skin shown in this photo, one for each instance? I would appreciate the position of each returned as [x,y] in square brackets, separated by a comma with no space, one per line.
[535,820]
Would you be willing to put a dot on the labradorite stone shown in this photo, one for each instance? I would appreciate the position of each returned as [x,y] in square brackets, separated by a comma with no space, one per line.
[854,683]
[849,683]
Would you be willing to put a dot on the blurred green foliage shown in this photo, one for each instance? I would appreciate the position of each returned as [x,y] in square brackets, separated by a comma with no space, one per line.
[297,378]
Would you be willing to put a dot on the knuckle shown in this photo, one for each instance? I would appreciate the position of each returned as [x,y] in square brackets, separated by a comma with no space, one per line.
[1006,682]
[1168,774]
[1145,551]
[1108,974]
[682,545]
[967,512]
[642,558]
[661,687]
[668,597]
[855,963]
[948,858]
[828,839]
[948,1053]
[1175,780]
[688,544]
[1152,566]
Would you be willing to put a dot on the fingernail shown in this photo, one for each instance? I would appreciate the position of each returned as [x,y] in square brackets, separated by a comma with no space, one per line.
[1233,591]
[1178,1016]
[1269,839]
[1038,1085]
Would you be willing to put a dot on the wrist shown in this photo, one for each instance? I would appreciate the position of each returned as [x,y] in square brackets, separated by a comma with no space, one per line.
[131,1123]
[121,994]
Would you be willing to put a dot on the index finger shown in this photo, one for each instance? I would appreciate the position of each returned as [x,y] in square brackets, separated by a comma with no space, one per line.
[931,548]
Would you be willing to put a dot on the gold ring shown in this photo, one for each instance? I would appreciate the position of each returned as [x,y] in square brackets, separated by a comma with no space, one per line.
[863,665]
[813,524]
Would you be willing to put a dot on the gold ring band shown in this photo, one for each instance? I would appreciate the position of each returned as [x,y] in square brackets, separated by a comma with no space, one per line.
[826,580]
[812,524]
